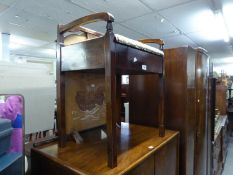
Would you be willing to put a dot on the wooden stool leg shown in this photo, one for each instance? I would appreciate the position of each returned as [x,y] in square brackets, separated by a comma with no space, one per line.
[161,107]
[111,98]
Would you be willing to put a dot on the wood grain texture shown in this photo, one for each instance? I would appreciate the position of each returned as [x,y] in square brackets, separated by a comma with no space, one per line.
[210,123]
[144,99]
[103,16]
[60,85]
[84,55]
[165,156]
[100,55]
[91,158]
[131,61]
[221,99]
[201,77]
[147,167]
[185,103]
[154,41]
[85,104]
[180,101]
[112,98]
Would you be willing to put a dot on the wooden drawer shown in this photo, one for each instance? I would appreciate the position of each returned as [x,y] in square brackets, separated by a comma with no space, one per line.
[130,59]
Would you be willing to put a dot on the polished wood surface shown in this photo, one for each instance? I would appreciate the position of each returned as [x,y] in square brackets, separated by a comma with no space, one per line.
[180,102]
[134,61]
[84,55]
[154,41]
[103,16]
[60,85]
[147,167]
[100,55]
[136,145]
[164,157]
[221,99]
[186,71]
[201,77]
[210,123]
[144,89]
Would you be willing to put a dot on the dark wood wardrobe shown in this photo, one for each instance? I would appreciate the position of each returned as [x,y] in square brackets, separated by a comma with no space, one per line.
[186,85]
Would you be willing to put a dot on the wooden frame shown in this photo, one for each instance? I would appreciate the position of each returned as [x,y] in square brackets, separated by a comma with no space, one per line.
[103,55]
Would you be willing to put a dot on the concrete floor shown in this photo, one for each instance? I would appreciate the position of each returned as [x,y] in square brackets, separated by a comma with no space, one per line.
[228,168]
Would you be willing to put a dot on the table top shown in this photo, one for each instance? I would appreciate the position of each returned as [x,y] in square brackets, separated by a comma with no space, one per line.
[135,144]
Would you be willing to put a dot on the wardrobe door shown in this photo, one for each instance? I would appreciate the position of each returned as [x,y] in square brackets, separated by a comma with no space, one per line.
[201,113]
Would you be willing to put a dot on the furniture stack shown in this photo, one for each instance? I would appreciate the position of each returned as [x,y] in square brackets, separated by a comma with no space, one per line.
[89,71]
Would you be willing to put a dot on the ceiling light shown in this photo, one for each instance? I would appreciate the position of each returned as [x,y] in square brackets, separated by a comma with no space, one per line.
[212,26]
[228,14]
[221,25]
[162,20]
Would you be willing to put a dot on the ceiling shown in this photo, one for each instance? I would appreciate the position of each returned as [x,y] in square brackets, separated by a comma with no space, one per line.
[177,22]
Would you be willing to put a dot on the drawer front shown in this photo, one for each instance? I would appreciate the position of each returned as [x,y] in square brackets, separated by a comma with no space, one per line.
[134,60]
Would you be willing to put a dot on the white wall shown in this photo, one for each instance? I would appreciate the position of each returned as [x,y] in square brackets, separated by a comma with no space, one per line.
[37,84]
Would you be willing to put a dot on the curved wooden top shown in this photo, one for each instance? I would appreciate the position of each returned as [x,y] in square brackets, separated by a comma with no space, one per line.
[103,16]
[155,41]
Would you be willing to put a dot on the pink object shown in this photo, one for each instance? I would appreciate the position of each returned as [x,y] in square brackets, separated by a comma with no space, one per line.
[1,109]
[12,106]
[9,110]
[16,140]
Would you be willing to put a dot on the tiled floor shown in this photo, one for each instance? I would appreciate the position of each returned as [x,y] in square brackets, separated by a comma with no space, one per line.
[228,168]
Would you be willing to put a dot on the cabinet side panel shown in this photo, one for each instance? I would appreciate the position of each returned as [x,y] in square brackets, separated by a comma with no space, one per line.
[166,159]
[145,168]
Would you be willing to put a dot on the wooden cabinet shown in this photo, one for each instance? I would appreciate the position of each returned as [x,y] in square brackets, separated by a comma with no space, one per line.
[158,163]
[221,99]
[220,145]
[186,76]
[140,152]
[147,167]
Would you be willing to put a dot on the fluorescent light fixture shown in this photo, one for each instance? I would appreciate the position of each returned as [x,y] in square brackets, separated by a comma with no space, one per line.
[228,15]
[212,26]
[221,25]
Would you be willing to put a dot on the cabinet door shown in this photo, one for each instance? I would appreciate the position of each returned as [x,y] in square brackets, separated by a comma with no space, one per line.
[201,115]
[167,158]
[145,168]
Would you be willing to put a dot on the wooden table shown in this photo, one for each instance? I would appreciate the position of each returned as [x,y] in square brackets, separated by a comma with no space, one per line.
[140,151]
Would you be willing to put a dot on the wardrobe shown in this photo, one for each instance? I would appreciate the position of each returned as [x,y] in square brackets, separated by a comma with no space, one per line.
[186,100]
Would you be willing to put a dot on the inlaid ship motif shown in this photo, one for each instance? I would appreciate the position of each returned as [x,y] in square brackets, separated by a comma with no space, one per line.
[90,101]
